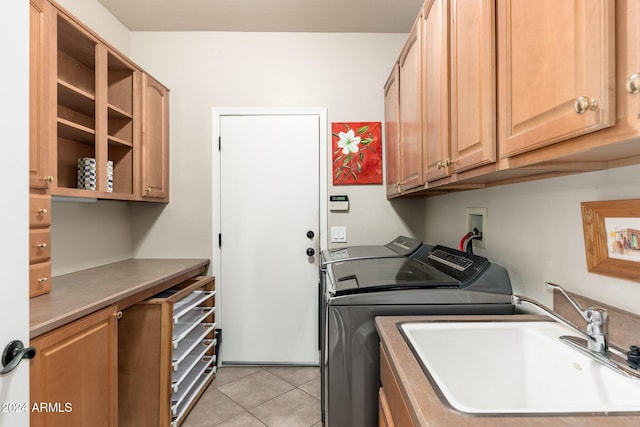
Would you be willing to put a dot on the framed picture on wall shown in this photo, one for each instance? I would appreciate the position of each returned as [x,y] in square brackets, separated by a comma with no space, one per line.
[612,237]
[357,153]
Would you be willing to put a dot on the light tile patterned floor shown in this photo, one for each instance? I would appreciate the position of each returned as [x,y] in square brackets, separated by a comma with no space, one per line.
[260,396]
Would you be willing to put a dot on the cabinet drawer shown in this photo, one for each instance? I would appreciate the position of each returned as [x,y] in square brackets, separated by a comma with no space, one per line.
[190,302]
[182,370]
[39,210]
[195,338]
[39,245]
[39,279]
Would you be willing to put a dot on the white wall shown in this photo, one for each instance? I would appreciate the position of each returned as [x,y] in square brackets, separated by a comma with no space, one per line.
[88,234]
[343,72]
[534,229]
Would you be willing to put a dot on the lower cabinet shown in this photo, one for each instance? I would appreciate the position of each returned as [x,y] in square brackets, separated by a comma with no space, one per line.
[393,409]
[74,377]
[384,413]
[166,354]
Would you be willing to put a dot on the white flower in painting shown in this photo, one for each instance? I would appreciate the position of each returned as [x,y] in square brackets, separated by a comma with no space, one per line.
[348,142]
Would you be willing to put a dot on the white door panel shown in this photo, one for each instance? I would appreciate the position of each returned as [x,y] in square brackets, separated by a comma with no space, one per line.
[269,201]
[14,180]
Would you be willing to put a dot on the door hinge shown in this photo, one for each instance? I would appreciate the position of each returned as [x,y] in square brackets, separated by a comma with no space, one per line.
[219,143]
[219,240]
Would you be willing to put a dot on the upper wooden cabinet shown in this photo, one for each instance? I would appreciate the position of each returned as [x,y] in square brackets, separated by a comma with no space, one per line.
[410,110]
[155,140]
[473,88]
[88,113]
[435,100]
[391,148]
[447,110]
[557,63]
[39,168]
[517,90]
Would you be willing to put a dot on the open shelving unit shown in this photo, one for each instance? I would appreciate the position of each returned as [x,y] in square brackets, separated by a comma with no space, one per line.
[97,108]
[76,100]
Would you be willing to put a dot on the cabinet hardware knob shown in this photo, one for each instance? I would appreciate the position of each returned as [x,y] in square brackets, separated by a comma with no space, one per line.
[42,245]
[583,103]
[43,279]
[119,315]
[439,165]
[42,211]
[633,83]
[448,162]
[48,178]
[148,190]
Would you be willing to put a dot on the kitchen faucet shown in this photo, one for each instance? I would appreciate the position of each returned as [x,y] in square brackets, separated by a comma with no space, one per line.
[595,343]
[597,322]
[596,334]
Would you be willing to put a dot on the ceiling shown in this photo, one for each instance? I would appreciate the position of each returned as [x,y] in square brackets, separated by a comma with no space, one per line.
[360,16]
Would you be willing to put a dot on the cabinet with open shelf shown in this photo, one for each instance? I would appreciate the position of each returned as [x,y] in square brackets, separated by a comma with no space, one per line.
[74,98]
[94,109]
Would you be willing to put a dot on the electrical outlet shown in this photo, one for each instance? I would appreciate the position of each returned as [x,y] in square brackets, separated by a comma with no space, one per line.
[477,219]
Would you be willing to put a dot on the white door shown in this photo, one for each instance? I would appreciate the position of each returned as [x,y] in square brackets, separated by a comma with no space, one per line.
[14,191]
[269,206]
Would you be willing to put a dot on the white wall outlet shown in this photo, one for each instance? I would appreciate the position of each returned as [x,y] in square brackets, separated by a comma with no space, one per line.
[339,234]
[477,218]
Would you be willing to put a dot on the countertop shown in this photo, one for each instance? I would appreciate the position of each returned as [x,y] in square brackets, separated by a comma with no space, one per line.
[123,283]
[425,405]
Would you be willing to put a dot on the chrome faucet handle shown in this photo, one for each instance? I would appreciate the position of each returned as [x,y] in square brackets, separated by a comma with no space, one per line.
[596,318]
[574,303]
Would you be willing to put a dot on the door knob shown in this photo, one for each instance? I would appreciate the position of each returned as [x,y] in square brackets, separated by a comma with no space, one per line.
[310,234]
[13,353]
[311,252]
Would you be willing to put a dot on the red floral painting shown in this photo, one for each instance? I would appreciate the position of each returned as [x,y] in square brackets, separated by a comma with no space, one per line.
[357,153]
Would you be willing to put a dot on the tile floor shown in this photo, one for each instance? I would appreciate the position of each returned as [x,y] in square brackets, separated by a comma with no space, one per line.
[259,397]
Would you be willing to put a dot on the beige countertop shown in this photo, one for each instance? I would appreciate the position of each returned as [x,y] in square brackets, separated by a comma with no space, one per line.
[123,283]
[428,410]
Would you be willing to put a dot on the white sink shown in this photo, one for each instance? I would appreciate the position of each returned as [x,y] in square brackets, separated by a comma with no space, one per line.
[516,367]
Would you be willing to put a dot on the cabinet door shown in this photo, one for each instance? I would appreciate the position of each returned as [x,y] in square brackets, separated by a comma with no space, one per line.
[391,132]
[473,88]
[551,54]
[155,140]
[74,374]
[410,111]
[436,89]
[39,169]
[384,413]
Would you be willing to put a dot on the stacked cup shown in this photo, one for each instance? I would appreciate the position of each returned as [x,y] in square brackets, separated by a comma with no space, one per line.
[87,173]
[110,176]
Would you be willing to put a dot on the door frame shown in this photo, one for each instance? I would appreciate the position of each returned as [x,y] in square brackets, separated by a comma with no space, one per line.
[218,113]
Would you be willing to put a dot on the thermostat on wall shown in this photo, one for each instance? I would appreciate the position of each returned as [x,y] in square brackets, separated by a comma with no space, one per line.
[339,203]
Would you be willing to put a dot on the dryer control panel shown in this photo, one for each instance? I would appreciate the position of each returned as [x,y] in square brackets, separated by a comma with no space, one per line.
[461,265]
